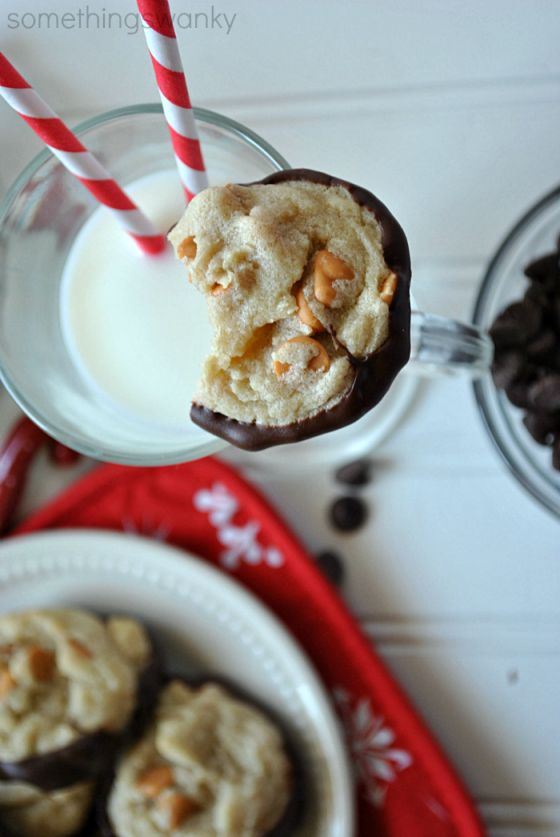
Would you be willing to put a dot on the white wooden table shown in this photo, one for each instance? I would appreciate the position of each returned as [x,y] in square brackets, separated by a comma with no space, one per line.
[451,113]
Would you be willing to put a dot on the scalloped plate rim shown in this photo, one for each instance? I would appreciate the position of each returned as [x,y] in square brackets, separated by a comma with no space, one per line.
[26,558]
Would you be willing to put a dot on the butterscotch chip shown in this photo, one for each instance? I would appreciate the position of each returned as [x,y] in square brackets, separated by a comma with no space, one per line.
[41,663]
[7,682]
[154,780]
[80,649]
[280,368]
[217,289]
[177,807]
[313,358]
[187,248]
[388,288]
[305,313]
[328,270]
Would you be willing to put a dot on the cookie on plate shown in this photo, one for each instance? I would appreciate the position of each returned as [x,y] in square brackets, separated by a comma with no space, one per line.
[209,763]
[27,811]
[71,685]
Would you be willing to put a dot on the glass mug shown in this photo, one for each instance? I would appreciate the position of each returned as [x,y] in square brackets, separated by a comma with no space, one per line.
[39,219]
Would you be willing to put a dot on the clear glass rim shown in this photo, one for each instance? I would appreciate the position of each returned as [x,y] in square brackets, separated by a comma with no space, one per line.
[202,115]
[483,391]
[210,117]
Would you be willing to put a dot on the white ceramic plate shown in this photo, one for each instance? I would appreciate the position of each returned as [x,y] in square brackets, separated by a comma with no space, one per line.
[207,623]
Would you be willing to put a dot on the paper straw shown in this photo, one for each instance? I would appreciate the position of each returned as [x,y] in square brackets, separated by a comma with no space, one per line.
[172,86]
[76,158]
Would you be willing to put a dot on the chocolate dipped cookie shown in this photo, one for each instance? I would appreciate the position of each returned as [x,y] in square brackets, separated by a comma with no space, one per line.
[209,763]
[307,279]
[72,686]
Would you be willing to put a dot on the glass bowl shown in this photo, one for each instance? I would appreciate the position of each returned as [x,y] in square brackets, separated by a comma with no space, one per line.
[534,235]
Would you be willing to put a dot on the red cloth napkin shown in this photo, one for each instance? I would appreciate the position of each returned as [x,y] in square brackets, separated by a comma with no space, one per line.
[405,785]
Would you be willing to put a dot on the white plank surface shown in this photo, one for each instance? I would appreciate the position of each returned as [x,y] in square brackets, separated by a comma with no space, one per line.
[451,113]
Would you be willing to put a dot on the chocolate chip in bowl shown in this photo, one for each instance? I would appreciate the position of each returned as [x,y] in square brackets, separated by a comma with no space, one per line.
[526,364]
[519,304]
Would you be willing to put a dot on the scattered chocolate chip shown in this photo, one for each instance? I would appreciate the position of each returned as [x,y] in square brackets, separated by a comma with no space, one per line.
[355,473]
[545,394]
[348,513]
[508,366]
[330,563]
[542,426]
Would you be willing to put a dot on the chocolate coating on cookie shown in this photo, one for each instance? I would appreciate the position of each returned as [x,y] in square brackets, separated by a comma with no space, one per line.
[292,816]
[373,375]
[88,756]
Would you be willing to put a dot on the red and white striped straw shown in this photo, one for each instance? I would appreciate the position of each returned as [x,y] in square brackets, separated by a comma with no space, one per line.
[76,158]
[172,85]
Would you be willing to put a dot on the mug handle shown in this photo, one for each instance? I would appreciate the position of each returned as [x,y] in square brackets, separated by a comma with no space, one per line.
[440,346]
